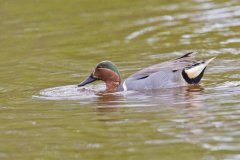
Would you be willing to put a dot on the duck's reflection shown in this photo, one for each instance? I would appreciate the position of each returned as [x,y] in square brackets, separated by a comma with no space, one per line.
[154,100]
[108,106]
[174,97]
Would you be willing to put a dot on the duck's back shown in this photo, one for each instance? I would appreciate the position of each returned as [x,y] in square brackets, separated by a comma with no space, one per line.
[168,74]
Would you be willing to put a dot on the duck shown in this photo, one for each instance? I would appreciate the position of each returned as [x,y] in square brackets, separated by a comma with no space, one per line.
[182,71]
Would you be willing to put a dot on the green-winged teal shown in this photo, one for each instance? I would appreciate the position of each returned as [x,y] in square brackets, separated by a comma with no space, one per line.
[174,73]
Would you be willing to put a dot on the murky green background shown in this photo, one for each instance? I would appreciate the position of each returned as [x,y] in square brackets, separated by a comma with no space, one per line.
[47,44]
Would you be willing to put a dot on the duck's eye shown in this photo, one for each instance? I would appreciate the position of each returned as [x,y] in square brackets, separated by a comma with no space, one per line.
[99,66]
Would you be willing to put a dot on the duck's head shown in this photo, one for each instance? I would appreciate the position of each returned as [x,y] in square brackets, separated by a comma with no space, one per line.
[107,72]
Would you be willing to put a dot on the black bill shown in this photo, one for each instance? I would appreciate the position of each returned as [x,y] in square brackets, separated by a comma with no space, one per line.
[90,79]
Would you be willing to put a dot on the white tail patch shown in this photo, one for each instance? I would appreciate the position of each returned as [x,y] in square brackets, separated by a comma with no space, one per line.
[196,70]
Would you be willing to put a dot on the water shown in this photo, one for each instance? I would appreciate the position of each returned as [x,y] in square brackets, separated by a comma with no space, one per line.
[46,48]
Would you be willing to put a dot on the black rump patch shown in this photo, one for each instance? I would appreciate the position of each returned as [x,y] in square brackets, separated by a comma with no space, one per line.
[193,80]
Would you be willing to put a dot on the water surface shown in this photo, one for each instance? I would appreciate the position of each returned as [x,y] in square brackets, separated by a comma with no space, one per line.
[47,48]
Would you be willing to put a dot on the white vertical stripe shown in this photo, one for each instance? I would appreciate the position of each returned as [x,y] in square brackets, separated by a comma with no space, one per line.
[124,86]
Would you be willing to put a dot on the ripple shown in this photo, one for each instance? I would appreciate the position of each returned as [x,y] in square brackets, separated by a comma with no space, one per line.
[222,147]
[218,26]
[171,141]
[206,5]
[70,92]
[228,84]
[219,13]
[154,19]
[140,32]
[235,76]
[208,17]
[215,52]
[231,40]
[3,90]
[232,157]
[222,138]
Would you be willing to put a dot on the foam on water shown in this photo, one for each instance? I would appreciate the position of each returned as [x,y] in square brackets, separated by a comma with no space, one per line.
[69,92]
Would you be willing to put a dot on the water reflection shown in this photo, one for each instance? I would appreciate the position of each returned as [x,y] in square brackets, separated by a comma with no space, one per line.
[110,105]
[171,97]
[106,102]
[150,100]
[204,118]
[164,97]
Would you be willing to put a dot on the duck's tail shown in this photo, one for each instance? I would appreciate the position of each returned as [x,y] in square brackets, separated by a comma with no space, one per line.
[194,74]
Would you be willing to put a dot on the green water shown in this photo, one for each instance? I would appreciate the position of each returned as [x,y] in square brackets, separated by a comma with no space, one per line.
[47,47]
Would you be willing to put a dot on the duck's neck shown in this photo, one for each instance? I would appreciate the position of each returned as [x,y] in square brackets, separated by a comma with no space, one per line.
[112,82]
[111,78]
[112,86]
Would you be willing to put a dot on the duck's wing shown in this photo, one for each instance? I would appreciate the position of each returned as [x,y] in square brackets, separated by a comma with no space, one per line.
[174,73]
[185,61]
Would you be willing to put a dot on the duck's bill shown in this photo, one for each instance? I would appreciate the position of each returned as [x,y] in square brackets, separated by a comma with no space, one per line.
[90,79]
